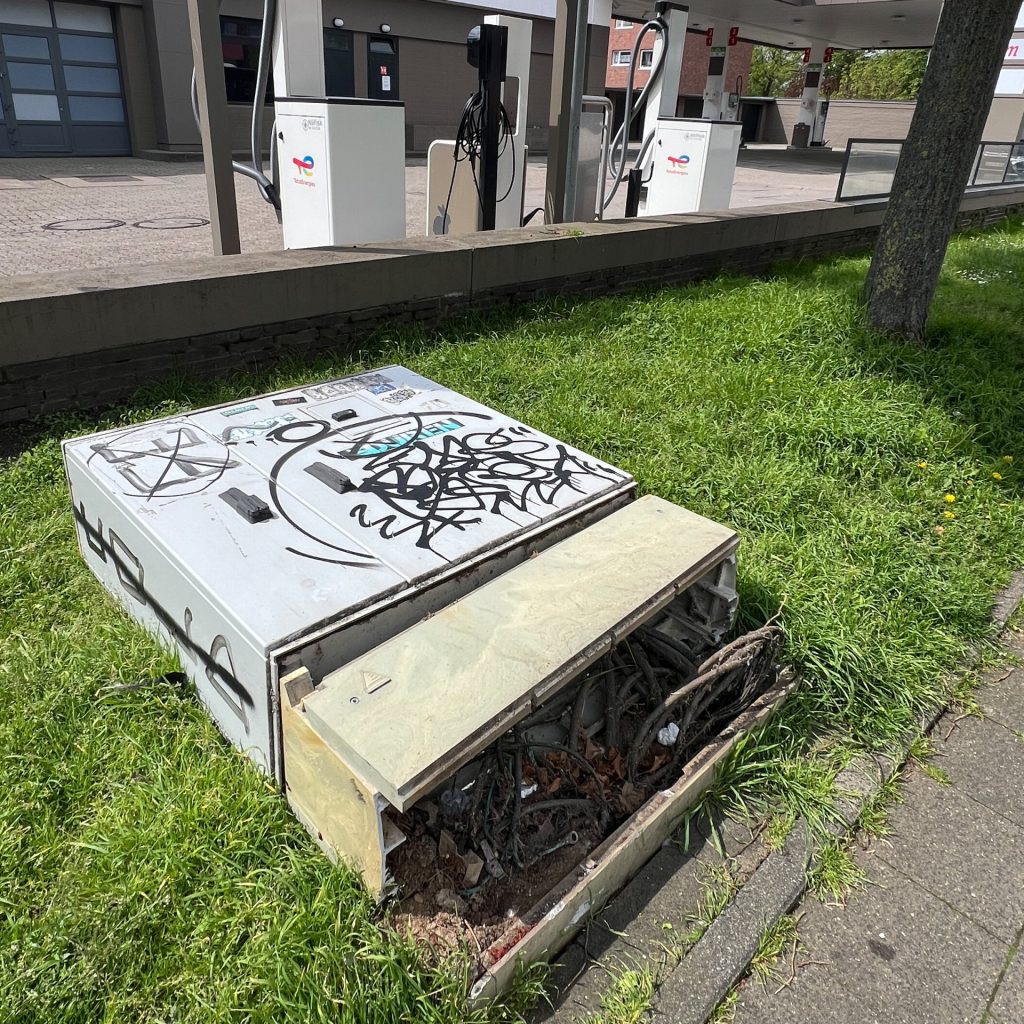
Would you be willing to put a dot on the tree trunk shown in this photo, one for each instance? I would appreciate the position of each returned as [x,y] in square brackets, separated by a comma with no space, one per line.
[936,162]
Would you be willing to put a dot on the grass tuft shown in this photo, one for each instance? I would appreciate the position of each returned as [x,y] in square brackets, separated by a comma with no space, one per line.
[835,873]
[776,940]
[628,999]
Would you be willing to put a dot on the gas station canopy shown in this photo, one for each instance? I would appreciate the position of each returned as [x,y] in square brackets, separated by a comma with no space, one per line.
[844,24]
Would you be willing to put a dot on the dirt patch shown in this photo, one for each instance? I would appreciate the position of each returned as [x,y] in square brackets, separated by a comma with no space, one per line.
[436,907]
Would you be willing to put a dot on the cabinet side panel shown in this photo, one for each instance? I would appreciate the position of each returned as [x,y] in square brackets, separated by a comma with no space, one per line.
[331,801]
[230,675]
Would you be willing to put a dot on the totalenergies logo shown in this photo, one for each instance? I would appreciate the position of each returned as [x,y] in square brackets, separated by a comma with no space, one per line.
[679,161]
[304,165]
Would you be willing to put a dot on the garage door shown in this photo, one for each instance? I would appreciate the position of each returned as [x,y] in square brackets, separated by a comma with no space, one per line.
[60,80]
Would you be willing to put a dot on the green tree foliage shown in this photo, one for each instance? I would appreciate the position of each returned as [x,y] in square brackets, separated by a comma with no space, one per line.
[839,69]
[851,74]
[773,71]
[882,75]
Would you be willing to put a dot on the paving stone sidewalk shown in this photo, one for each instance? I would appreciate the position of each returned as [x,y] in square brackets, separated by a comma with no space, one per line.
[51,219]
[932,935]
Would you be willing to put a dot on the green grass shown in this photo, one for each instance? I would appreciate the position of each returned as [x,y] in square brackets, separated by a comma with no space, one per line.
[147,873]
[628,998]
[777,939]
[835,872]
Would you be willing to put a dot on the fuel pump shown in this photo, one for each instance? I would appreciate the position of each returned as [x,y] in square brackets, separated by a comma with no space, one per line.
[684,164]
[340,161]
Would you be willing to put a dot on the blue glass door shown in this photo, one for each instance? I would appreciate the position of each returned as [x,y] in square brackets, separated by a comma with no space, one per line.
[35,119]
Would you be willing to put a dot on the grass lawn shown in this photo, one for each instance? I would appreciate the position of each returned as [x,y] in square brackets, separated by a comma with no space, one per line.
[148,873]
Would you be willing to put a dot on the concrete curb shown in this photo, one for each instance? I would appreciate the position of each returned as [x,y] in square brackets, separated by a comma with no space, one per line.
[704,977]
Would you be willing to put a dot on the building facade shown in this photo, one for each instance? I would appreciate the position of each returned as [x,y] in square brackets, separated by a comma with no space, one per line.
[1006,119]
[113,79]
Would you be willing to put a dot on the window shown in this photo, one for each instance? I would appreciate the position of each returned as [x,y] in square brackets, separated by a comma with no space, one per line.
[89,49]
[26,12]
[35,47]
[646,58]
[1011,82]
[31,106]
[79,78]
[623,23]
[83,17]
[620,58]
[240,45]
[30,76]
[97,109]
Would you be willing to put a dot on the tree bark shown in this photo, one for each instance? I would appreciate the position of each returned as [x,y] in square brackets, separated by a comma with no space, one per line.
[936,162]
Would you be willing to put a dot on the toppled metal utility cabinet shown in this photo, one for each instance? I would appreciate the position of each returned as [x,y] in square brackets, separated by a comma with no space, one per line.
[372,580]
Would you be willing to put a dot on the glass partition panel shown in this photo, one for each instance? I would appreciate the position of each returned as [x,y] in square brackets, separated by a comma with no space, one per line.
[870,167]
[992,164]
[1015,171]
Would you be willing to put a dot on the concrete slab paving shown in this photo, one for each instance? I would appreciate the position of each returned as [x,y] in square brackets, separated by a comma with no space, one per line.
[896,950]
[933,935]
[629,933]
[958,850]
[106,180]
[1008,1000]
[702,980]
[985,760]
[1002,699]
[814,986]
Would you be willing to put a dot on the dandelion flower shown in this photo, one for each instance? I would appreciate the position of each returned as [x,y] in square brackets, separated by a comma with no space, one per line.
[950,498]
[949,514]
[922,465]
[997,476]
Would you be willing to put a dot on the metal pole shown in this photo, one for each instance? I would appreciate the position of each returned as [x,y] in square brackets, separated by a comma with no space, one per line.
[493,56]
[204,24]
[567,72]
[579,69]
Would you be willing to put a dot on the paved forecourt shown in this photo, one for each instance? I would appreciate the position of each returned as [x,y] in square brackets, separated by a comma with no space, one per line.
[57,213]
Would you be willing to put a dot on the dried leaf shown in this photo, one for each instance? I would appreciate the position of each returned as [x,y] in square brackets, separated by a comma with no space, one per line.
[630,798]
